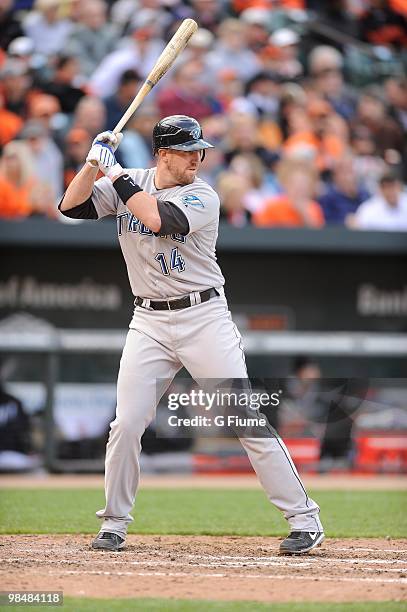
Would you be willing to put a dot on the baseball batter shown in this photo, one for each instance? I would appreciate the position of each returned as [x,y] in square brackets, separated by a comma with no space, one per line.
[167,225]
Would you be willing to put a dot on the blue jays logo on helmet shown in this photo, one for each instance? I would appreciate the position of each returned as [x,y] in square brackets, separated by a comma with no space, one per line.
[196,133]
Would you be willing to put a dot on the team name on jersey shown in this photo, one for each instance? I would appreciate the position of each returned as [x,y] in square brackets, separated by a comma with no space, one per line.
[127,222]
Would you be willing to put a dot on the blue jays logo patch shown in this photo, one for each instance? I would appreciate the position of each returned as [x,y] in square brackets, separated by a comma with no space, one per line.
[192,200]
[196,133]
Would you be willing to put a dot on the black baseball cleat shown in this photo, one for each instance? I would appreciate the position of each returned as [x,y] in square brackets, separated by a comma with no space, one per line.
[300,542]
[108,541]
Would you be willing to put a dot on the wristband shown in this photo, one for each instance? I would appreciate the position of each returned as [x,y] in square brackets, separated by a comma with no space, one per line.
[126,187]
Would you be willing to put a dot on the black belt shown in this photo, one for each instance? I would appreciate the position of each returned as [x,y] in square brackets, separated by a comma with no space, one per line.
[184,302]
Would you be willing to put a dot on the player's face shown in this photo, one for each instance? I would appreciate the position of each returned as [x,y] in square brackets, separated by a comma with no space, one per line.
[182,165]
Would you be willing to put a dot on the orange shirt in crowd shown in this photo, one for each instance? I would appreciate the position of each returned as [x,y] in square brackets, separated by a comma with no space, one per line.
[399,6]
[10,125]
[14,202]
[327,149]
[279,210]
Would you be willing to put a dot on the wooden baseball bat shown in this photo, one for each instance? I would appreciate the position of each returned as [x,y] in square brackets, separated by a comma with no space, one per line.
[177,43]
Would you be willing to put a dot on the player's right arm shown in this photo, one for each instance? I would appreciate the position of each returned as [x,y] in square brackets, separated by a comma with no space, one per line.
[80,200]
[79,191]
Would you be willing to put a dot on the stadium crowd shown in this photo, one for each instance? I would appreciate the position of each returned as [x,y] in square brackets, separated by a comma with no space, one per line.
[306,102]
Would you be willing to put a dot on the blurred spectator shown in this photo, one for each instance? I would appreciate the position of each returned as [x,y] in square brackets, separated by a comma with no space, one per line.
[122,11]
[188,93]
[78,142]
[43,108]
[92,38]
[229,88]
[344,195]
[329,406]
[383,25]
[63,84]
[295,206]
[115,105]
[208,13]
[15,435]
[341,15]
[17,167]
[292,97]
[396,91]
[199,45]
[257,31]
[45,27]
[368,165]
[304,388]
[315,132]
[26,195]
[48,161]
[243,136]
[372,113]
[263,92]
[15,84]
[249,166]
[90,114]
[22,48]
[231,50]
[387,210]
[284,53]
[12,204]
[325,66]
[135,148]
[46,110]
[197,51]
[10,124]
[232,190]
[138,52]
[10,26]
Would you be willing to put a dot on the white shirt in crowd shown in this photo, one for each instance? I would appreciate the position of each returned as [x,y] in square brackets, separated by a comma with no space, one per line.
[48,38]
[377,214]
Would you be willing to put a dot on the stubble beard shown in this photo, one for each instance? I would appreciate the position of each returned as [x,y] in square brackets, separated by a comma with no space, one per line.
[182,177]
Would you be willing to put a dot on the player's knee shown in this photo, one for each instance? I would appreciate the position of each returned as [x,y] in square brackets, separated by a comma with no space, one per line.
[126,428]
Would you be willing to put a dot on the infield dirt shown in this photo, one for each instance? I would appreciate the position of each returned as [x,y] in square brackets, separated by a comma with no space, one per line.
[206,567]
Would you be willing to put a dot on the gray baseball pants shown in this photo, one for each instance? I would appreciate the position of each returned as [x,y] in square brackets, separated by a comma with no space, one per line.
[203,339]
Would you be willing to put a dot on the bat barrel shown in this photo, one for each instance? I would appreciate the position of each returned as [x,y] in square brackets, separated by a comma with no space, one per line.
[177,43]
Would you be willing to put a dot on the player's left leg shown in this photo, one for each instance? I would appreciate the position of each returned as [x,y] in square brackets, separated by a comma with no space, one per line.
[211,348]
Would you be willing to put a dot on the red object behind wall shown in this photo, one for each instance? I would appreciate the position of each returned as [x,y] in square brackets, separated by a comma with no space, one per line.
[374,453]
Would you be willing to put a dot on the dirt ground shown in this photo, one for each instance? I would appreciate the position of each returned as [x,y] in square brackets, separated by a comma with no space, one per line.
[206,567]
[385,482]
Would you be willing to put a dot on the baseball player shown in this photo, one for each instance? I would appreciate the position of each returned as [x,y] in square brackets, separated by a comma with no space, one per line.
[167,225]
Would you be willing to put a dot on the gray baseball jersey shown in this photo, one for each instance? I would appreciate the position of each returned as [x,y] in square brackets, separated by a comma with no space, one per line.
[166,266]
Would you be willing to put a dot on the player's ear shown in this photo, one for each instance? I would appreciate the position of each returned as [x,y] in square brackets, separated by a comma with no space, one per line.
[161,154]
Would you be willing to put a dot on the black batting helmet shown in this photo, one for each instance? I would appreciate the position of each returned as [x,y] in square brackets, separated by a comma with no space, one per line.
[179,132]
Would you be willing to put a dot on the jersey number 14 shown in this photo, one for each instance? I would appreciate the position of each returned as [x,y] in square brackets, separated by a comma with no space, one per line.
[176,262]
